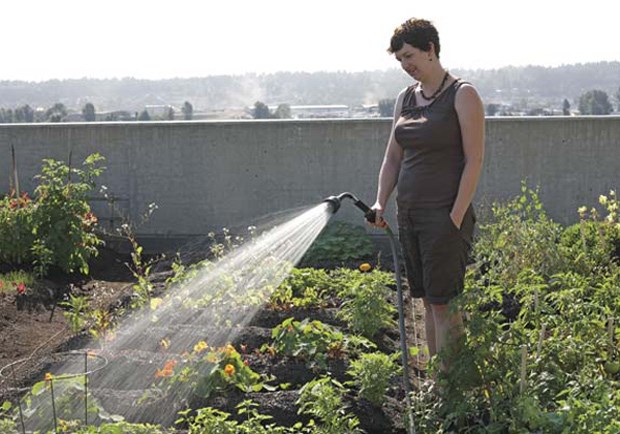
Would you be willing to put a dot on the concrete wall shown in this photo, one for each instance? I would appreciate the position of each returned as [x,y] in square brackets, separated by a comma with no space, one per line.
[208,175]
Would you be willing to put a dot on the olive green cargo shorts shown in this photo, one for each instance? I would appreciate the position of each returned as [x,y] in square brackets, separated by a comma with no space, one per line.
[435,251]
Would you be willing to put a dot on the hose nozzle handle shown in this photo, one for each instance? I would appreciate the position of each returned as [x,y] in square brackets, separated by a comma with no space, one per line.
[369,214]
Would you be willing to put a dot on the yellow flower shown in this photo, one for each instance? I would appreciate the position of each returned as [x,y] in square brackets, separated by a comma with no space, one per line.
[228,350]
[365,267]
[582,210]
[49,377]
[602,199]
[200,347]
[229,370]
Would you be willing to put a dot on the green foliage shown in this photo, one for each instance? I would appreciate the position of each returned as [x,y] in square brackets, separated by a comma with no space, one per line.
[322,398]
[16,228]
[519,236]
[366,308]
[340,242]
[593,244]
[213,421]
[371,374]
[313,341]
[305,287]
[56,228]
[76,309]
[550,366]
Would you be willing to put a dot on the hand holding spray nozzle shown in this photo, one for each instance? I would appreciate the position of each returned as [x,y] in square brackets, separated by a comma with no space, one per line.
[369,214]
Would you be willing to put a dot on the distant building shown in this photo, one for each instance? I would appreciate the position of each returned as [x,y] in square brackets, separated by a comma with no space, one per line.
[320,111]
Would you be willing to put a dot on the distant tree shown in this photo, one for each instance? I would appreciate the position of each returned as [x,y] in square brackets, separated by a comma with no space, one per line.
[144,116]
[261,111]
[618,98]
[188,111]
[88,111]
[56,112]
[6,116]
[386,107]
[566,107]
[595,102]
[283,112]
[24,114]
[170,114]
[492,109]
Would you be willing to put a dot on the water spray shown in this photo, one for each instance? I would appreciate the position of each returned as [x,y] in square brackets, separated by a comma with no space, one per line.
[370,215]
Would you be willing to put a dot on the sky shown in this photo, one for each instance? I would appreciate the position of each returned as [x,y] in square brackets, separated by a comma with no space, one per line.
[154,39]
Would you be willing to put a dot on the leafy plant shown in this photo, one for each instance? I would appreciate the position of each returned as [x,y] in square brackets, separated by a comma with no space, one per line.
[371,374]
[313,341]
[305,287]
[366,308]
[63,223]
[210,420]
[340,242]
[322,398]
[56,227]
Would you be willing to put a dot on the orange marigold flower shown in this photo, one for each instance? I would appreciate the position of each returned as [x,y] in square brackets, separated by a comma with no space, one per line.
[200,347]
[1,284]
[365,267]
[21,288]
[229,370]
[49,377]
[167,370]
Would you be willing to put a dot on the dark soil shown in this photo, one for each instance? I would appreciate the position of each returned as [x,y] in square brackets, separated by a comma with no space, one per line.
[32,326]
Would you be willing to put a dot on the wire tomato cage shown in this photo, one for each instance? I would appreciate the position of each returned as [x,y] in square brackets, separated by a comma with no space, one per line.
[61,366]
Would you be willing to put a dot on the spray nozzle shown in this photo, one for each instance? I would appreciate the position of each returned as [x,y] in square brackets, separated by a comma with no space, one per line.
[334,202]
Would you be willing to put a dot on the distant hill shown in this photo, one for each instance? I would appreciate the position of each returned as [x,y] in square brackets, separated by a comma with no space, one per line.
[529,85]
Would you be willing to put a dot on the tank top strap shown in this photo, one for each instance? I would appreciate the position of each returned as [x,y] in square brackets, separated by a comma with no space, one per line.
[409,98]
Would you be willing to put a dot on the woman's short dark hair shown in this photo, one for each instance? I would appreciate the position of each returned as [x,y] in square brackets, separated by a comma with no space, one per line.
[416,32]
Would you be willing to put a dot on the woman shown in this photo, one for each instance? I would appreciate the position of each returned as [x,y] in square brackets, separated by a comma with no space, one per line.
[434,155]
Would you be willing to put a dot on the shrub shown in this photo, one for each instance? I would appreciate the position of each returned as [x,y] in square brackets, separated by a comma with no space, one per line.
[366,308]
[371,374]
[56,227]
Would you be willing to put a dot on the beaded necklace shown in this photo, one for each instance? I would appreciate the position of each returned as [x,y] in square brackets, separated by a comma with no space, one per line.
[433,96]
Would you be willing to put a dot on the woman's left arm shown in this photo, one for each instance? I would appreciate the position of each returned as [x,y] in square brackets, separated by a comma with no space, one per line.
[470,112]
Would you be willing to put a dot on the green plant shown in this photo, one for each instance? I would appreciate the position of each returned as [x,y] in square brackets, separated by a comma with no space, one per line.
[520,235]
[366,308]
[593,244]
[62,221]
[322,398]
[313,341]
[340,242]
[16,226]
[77,307]
[305,287]
[213,421]
[7,423]
[371,374]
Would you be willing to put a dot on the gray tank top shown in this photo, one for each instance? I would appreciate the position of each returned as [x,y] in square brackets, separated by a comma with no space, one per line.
[433,158]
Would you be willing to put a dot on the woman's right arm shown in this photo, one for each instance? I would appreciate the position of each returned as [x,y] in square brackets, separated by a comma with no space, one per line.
[388,175]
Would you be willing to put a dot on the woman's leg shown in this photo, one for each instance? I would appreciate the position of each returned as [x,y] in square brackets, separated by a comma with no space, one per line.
[449,330]
[429,325]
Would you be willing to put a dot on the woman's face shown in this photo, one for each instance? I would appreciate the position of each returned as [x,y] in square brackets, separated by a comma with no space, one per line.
[413,60]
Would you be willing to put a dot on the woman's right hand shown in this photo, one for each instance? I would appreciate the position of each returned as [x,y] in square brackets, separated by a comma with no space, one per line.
[379,220]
